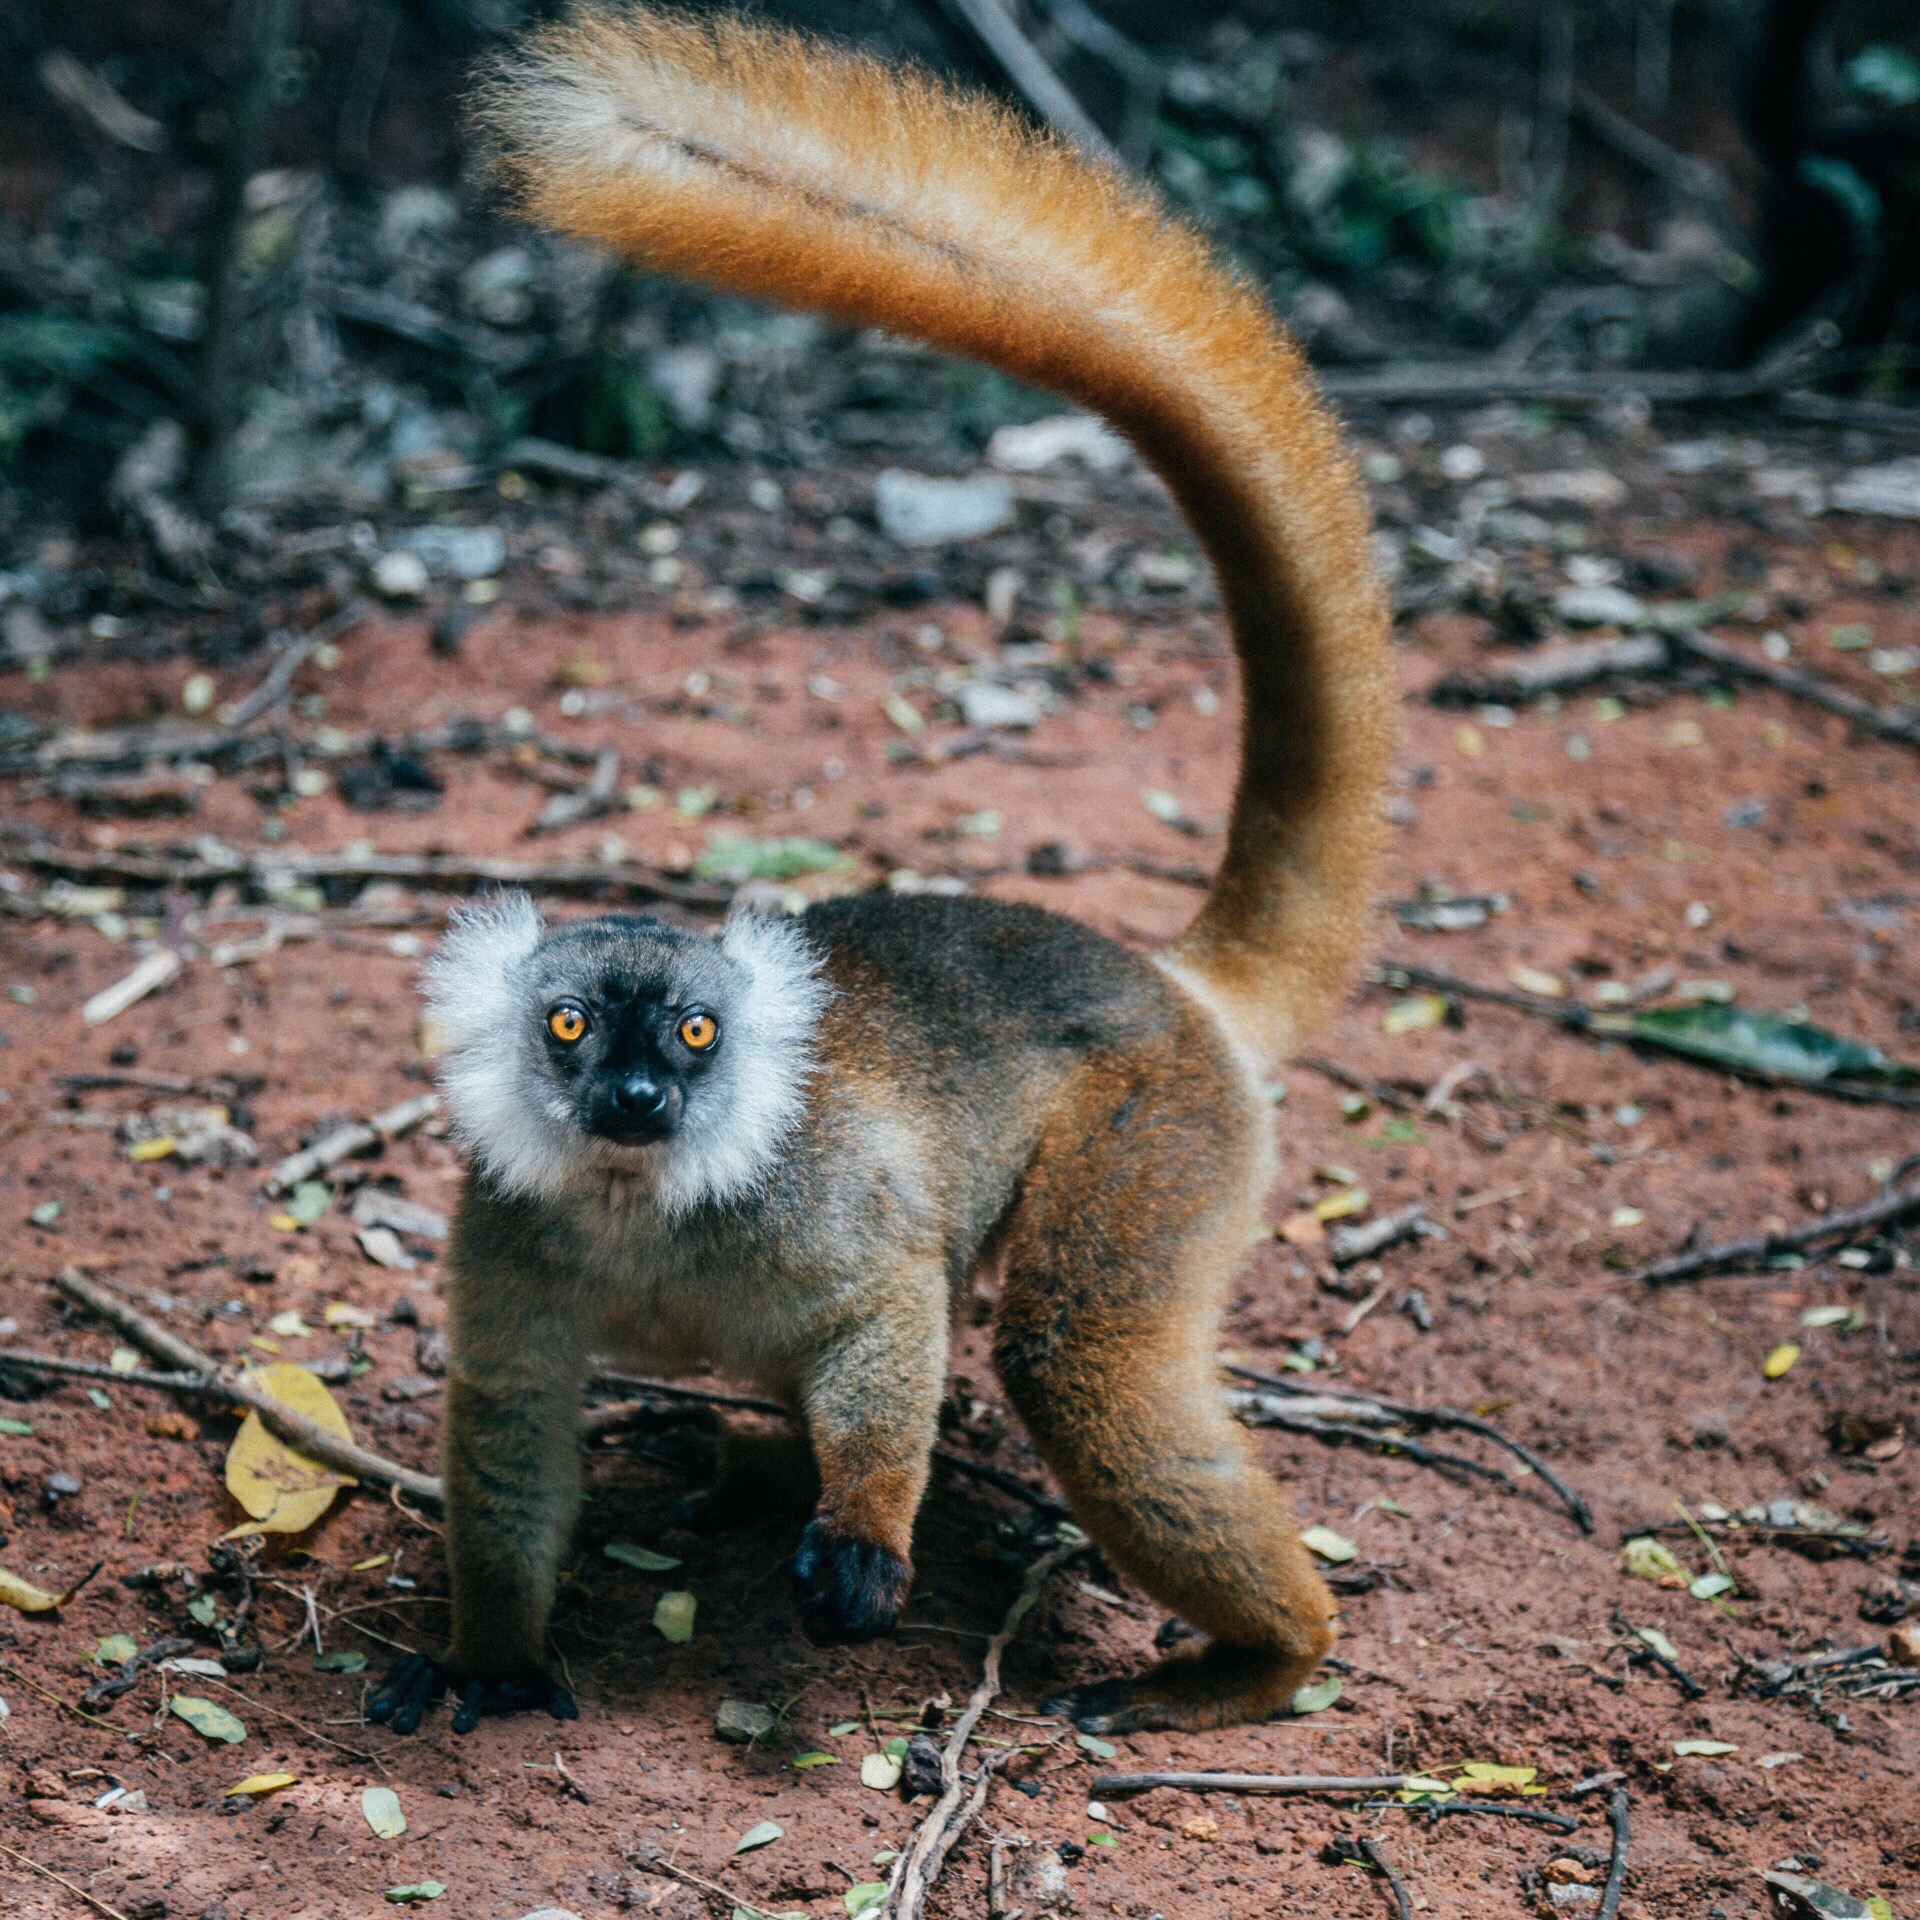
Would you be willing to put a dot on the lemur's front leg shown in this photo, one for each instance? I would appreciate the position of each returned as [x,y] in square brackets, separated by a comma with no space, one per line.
[871,1396]
[512,1466]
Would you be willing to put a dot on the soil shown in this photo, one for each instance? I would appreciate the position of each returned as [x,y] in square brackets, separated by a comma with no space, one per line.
[1492,1630]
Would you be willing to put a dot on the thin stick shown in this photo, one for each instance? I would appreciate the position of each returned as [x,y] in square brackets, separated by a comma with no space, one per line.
[458,872]
[1890,723]
[47,1873]
[1842,1227]
[1378,1860]
[1039,85]
[1538,1816]
[294,654]
[1449,1417]
[344,1142]
[1691,179]
[53,1699]
[660,1864]
[312,1733]
[1612,1026]
[346,1456]
[920,1861]
[1105,1785]
[1385,1096]
[997,1873]
[94,1370]
[1617,1866]
[1249,1407]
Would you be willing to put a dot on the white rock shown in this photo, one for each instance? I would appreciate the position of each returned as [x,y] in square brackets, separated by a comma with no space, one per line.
[1598,607]
[1892,490]
[985,703]
[463,553]
[400,575]
[551,1913]
[1065,436]
[922,512]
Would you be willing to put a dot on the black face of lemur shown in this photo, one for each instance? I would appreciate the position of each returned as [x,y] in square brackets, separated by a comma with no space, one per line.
[632,1016]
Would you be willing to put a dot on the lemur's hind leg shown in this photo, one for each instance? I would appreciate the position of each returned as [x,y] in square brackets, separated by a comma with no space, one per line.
[1130,1227]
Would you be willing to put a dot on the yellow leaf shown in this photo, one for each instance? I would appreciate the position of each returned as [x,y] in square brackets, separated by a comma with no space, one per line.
[1486,1777]
[155,1149]
[1338,1206]
[277,1486]
[372,1560]
[1549,986]
[283,1222]
[16,1592]
[258,1783]
[265,1345]
[1414,1013]
[1780,1359]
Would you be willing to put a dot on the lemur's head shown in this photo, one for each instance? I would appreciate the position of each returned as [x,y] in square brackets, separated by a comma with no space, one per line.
[623,1043]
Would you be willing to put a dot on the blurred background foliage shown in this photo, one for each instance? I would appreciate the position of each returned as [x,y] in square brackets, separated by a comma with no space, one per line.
[242,236]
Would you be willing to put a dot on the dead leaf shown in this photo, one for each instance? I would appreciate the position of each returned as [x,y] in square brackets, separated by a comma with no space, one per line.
[172,1425]
[23,1594]
[381,1807]
[208,1719]
[282,1490]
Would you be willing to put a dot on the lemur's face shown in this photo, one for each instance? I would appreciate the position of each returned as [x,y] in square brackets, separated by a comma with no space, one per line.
[633,1020]
[623,1043]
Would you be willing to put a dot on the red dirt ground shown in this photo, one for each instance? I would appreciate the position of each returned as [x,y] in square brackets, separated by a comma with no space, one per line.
[1490,1634]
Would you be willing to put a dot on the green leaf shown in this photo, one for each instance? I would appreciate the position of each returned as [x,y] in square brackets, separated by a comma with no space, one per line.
[1658,1641]
[1710,1586]
[1318,1695]
[673,1616]
[843,1728]
[1704,1749]
[1888,76]
[643,1558]
[216,1723]
[20,1427]
[803,1761]
[1753,1042]
[309,1200]
[869,1893]
[346,1660]
[415,1892]
[1328,1544]
[1093,1744]
[763,1835]
[381,1807]
[203,1609]
[735,858]
[115,1650]
[100,1399]
[1101,1840]
[1645,1558]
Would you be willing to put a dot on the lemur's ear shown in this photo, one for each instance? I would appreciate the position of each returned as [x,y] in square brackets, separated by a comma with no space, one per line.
[470,979]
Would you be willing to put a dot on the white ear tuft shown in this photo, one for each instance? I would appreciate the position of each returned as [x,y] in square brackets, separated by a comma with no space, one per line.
[470,979]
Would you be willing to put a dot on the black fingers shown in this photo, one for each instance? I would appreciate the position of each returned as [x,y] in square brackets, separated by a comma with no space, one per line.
[417,1682]
[408,1691]
[848,1588]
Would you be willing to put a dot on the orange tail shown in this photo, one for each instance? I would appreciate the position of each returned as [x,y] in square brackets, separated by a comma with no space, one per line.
[768,165]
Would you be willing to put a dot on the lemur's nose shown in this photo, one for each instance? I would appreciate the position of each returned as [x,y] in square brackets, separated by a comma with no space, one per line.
[638,1097]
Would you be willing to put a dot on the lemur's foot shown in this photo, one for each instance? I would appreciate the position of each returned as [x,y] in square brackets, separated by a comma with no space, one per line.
[412,1687]
[849,1588]
[1216,1686]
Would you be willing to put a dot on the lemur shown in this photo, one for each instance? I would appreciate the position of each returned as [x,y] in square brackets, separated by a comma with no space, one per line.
[784,1152]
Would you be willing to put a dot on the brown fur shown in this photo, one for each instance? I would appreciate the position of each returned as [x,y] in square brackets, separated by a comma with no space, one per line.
[990,1079]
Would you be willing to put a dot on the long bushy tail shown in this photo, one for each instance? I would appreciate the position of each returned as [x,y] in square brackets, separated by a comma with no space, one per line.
[768,165]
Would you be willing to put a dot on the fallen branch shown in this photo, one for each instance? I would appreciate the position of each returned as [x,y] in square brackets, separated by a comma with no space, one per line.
[1841,1228]
[1614,1026]
[1347,1244]
[344,1142]
[1261,1410]
[921,1859]
[1497,1809]
[1617,1866]
[1889,723]
[345,1456]
[96,1370]
[1431,1417]
[1553,669]
[1379,1862]
[294,654]
[460,872]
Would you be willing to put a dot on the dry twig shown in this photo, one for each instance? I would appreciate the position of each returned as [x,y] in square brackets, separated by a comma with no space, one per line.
[1617,1866]
[1043,89]
[1842,1228]
[1379,1862]
[921,1859]
[1889,723]
[344,1142]
[345,1456]
[60,1879]
[1431,1417]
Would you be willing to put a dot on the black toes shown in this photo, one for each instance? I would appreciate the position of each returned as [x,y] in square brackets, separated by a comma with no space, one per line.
[848,1588]
[406,1694]
[417,1682]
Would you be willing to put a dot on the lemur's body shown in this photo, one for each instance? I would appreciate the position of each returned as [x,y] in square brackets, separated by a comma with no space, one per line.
[783,1155]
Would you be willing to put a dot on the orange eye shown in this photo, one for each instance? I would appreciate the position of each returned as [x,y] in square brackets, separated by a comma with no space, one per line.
[566,1023]
[699,1031]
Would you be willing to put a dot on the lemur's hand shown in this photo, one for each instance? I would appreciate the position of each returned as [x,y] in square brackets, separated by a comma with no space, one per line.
[848,1588]
[412,1686]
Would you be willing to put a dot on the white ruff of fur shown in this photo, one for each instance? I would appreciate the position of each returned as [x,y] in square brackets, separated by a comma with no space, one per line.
[521,1132]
